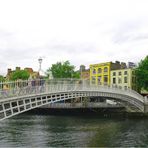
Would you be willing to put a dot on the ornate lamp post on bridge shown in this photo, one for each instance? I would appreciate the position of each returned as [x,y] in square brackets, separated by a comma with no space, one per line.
[41,72]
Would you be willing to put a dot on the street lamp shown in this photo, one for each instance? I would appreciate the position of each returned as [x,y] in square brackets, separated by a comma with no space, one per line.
[40,62]
[41,72]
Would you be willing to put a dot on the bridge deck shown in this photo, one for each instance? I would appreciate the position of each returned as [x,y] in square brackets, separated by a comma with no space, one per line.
[27,95]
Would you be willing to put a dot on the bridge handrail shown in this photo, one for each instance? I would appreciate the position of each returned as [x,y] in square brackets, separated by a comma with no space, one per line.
[38,82]
[27,88]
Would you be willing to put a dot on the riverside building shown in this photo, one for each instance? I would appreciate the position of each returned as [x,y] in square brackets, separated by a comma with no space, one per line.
[84,73]
[100,73]
[33,74]
[124,78]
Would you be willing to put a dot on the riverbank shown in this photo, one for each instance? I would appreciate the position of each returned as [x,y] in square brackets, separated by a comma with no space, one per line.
[98,112]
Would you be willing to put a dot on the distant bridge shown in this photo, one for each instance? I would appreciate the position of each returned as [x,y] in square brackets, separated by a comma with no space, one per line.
[21,96]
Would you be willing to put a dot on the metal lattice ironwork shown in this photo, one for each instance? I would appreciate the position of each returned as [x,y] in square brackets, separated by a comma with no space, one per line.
[20,96]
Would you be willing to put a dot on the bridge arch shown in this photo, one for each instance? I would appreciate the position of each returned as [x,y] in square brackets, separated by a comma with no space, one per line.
[32,97]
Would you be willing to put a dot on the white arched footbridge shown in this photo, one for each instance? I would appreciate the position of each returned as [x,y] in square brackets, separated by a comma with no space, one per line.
[20,96]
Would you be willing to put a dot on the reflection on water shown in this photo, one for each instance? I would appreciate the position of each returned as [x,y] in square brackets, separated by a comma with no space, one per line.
[44,131]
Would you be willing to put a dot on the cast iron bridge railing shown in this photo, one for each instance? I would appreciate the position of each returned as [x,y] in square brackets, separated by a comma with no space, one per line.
[20,96]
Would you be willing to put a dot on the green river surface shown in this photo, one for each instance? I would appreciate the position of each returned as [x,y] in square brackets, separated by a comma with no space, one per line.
[27,130]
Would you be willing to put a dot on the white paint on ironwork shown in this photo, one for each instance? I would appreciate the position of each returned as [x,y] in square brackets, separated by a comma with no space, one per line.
[22,96]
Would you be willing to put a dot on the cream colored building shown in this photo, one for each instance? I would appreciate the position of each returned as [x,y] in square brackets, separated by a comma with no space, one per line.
[124,78]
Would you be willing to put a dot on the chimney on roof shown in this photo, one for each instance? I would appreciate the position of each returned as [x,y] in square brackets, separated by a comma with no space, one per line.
[82,68]
[117,62]
[123,65]
[131,65]
[17,68]
[9,71]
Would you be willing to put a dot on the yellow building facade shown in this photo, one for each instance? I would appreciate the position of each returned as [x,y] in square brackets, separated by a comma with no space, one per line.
[113,74]
[100,73]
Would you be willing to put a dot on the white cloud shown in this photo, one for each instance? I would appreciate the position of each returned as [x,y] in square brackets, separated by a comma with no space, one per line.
[82,31]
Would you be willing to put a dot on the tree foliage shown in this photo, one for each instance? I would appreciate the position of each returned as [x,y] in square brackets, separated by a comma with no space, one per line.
[142,74]
[2,78]
[63,70]
[19,74]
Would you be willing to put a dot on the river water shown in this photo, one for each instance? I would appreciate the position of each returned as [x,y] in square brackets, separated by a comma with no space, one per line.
[67,131]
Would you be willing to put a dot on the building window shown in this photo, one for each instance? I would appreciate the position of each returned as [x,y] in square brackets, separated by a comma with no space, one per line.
[125,87]
[125,79]
[125,72]
[93,80]
[105,69]
[120,87]
[99,70]
[114,80]
[133,79]
[105,79]
[119,80]
[119,73]
[99,80]
[94,71]
[114,73]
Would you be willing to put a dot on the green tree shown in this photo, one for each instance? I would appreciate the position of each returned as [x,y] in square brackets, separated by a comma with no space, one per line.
[19,74]
[142,74]
[63,70]
[2,78]
[76,74]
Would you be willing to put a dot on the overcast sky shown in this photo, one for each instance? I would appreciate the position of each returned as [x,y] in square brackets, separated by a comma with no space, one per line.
[81,31]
